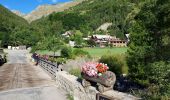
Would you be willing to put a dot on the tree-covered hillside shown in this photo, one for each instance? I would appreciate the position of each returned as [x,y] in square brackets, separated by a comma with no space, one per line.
[91,14]
[9,20]
[14,30]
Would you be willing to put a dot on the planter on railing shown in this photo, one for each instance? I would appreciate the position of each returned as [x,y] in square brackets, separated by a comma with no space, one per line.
[97,72]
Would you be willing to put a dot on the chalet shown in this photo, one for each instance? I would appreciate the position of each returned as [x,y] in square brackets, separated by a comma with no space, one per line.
[118,43]
[67,34]
[103,40]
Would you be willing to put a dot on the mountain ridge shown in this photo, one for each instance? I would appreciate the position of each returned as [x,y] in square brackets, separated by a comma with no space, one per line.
[46,9]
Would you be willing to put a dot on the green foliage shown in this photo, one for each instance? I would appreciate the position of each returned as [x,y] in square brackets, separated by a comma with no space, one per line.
[80,52]
[60,60]
[78,38]
[159,76]
[149,52]
[146,39]
[116,63]
[51,43]
[70,97]
[66,52]
[76,72]
[8,26]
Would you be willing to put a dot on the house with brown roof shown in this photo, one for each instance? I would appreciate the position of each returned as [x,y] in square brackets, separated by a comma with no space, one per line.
[104,40]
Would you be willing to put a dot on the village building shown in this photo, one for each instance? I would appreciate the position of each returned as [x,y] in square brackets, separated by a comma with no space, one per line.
[104,40]
[118,43]
[67,34]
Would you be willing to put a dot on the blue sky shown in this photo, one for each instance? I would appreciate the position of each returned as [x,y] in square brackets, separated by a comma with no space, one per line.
[26,6]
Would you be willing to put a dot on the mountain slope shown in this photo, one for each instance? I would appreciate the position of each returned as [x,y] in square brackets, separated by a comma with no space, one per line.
[89,15]
[18,13]
[9,19]
[9,22]
[44,10]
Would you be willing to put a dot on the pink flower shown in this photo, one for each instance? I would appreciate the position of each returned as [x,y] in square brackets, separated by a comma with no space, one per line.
[89,68]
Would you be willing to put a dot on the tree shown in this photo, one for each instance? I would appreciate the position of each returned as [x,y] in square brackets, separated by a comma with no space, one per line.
[66,52]
[148,60]
[54,44]
[78,38]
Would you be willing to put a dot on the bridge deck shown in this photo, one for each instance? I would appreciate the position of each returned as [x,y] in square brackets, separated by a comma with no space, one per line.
[22,75]
[20,80]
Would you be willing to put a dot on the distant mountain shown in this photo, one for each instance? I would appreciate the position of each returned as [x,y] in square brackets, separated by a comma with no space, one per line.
[18,13]
[44,10]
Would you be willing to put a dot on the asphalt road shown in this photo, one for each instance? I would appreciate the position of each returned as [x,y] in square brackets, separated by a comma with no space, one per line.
[21,80]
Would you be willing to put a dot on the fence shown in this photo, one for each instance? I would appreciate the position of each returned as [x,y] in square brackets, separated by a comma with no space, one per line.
[49,67]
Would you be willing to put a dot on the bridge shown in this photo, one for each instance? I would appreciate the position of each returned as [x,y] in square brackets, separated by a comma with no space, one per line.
[21,80]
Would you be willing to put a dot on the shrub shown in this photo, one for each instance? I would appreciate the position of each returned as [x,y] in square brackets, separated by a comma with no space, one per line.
[70,97]
[60,60]
[66,52]
[159,82]
[159,76]
[116,63]
[80,52]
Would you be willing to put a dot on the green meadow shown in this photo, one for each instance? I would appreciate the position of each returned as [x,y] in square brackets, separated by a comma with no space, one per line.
[98,52]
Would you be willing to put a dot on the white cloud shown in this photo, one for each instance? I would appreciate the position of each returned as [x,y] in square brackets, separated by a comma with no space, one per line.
[54,1]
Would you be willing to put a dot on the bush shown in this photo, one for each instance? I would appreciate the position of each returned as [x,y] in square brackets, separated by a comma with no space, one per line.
[80,52]
[158,87]
[66,52]
[159,76]
[70,97]
[116,63]
[60,60]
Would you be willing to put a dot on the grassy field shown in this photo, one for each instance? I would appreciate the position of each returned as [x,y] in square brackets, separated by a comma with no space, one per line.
[96,52]
[101,51]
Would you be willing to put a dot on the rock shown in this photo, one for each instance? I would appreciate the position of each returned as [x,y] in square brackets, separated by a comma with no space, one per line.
[104,27]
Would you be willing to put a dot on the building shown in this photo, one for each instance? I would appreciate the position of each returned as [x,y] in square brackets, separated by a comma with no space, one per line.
[104,40]
[118,43]
[67,34]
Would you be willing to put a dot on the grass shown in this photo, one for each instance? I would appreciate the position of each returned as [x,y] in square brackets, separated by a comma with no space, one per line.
[98,52]
[42,52]
[76,72]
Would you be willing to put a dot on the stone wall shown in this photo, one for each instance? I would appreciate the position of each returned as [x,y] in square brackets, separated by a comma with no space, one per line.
[71,84]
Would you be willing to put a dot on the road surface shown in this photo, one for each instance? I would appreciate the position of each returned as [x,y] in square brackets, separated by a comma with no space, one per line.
[20,80]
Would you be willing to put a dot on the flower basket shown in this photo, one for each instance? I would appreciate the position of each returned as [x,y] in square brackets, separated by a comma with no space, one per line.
[97,72]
